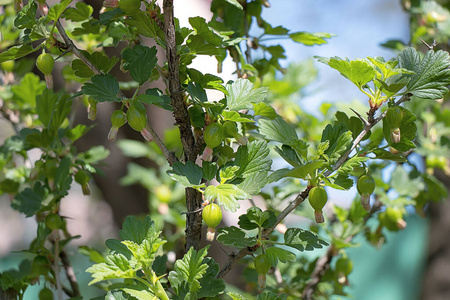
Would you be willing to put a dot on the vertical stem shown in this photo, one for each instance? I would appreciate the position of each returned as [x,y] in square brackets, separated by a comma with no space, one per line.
[180,113]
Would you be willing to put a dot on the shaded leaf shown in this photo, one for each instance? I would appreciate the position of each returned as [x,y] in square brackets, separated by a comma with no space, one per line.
[303,240]
[233,236]
[103,88]
[256,218]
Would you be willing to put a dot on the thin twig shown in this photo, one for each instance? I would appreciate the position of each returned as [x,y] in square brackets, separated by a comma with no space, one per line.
[70,274]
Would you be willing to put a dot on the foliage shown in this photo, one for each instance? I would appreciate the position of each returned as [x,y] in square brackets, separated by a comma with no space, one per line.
[222,151]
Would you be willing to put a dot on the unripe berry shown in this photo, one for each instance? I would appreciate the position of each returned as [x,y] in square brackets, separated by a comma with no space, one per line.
[394,116]
[365,187]
[212,215]
[118,119]
[318,198]
[137,116]
[45,63]
[213,135]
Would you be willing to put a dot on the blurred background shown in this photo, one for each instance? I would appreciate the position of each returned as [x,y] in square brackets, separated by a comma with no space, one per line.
[413,264]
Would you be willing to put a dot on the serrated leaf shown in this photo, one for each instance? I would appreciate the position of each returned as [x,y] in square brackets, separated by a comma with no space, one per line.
[29,201]
[306,170]
[144,24]
[252,184]
[103,88]
[241,94]
[190,269]
[228,173]
[210,285]
[253,158]
[233,236]
[256,218]
[353,162]
[17,52]
[80,13]
[144,253]
[227,195]
[140,61]
[340,182]
[289,155]
[278,130]
[339,138]
[310,39]
[189,174]
[26,17]
[277,175]
[63,178]
[201,28]
[209,170]
[140,293]
[235,117]
[156,97]
[275,254]
[404,185]
[431,73]
[386,155]
[115,266]
[57,9]
[264,110]
[116,246]
[29,88]
[303,240]
[137,230]
[360,72]
[80,69]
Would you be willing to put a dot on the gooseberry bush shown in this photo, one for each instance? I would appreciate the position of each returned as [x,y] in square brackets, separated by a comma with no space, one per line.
[227,150]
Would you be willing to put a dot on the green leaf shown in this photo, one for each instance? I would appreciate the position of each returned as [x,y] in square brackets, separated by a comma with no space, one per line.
[45,104]
[253,158]
[29,88]
[103,88]
[144,24]
[210,285]
[209,170]
[56,10]
[432,74]
[289,155]
[116,246]
[227,195]
[98,59]
[228,173]
[275,254]
[360,72]
[140,61]
[386,155]
[138,230]
[255,218]
[310,39]
[252,184]
[339,182]
[353,162]
[144,253]
[264,110]
[156,97]
[241,94]
[235,117]
[26,17]
[306,170]
[139,292]
[80,13]
[115,266]
[202,29]
[233,236]
[189,174]
[197,93]
[189,270]
[17,52]
[278,131]
[29,201]
[63,178]
[303,240]
[95,154]
[339,140]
